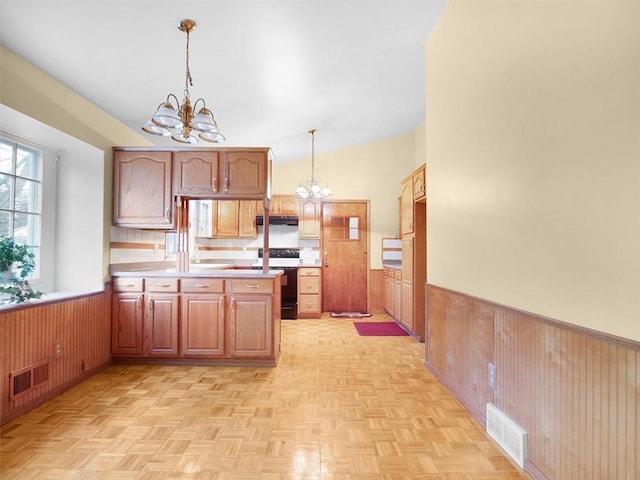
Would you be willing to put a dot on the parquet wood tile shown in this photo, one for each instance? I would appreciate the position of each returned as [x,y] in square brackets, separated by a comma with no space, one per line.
[337,407]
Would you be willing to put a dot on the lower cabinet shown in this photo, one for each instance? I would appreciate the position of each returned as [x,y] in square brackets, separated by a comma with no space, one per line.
[309,292]
[197,318]
[397,295]
[202,313]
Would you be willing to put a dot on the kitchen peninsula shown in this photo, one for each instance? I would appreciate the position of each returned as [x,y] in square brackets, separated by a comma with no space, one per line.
[177,311]
[208,315]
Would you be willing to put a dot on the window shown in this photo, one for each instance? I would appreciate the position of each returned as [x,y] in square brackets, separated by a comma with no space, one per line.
[21,194]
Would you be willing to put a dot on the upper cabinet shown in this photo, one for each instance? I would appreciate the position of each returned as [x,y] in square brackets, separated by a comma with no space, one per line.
[406,206]
[234,219]
[310,218]
[142,189]
[245,173]
[285,205]
[196,173]
[145,181]
[419,183]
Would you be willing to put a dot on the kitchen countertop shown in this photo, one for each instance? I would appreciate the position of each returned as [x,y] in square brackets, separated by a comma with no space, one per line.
[168,269]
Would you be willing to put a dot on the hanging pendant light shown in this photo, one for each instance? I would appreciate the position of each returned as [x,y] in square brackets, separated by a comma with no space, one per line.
[178,120]
[311,188]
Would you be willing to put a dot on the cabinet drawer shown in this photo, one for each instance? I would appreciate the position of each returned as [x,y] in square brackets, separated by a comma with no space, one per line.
[309,285]
[161,285]
[202,285]
[127,284]
[309,272]
[249,285]
[309,303]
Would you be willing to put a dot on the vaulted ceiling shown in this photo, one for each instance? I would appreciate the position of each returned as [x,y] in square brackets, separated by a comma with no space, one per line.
[269,69]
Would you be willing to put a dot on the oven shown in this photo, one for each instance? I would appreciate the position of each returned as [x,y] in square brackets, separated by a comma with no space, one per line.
[285,259]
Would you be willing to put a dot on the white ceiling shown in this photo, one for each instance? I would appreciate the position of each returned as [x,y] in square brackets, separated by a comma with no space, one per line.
[270,70]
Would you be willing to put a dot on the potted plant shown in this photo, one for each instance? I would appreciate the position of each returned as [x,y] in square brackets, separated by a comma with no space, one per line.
[17,261]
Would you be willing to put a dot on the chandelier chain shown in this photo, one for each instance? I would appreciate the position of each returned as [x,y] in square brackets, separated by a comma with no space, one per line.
[188,81]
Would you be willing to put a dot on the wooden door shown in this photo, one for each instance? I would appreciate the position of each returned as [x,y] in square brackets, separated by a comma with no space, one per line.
[225,218]
[345,257]
[202,325]
[250,332]
[161,324]
[309,223]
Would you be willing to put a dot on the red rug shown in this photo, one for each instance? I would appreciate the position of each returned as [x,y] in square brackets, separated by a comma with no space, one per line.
[379,329]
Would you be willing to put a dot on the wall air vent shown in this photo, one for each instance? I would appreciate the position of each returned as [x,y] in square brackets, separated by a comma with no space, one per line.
[511,438]
[30,377]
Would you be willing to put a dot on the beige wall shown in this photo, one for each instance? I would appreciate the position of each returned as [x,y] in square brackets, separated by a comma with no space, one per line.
[371,171]
[533,154]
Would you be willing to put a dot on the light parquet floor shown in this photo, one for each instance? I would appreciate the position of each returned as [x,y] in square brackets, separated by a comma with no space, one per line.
[337,407]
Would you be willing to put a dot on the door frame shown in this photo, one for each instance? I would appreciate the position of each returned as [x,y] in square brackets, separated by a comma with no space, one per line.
[367,204]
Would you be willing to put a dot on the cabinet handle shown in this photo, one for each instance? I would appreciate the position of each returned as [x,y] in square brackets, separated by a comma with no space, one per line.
[215,183]
[233,305]
[129,285]
[162,285]
[202,285]
[139,301]
[150,304]
[226,185]
[252,285]
[221,307]
[167,214]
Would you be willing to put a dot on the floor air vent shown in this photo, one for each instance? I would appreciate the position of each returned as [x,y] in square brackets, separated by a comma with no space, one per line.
[30,377]
[508,434]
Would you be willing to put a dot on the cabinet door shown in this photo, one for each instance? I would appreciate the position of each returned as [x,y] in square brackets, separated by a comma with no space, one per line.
[250,330]
[419,183]
[142,189]
[407,257]
[284,205]
[202,325]
[245,173]
[247,219]
[225,218]
[406,206]
[397,298]
[161,324]
[407,304]
[126,324]
[195,173]
[309,220]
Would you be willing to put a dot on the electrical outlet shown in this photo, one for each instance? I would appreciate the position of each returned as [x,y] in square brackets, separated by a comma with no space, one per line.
[58,348]
[491,375]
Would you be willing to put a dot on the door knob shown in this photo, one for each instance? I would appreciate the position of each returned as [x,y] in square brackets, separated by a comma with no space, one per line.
[326,264]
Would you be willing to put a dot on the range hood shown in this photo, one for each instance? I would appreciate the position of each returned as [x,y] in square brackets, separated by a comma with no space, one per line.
[278,220]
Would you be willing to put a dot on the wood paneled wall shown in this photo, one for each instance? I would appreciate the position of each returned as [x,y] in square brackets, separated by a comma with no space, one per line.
[29,334]
[576,392]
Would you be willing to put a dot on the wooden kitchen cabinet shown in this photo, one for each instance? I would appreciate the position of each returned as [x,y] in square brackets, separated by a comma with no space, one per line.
[126,316]
[245,172]
[284,205]
[419,183]
[160,325]
[309,292]
[388,292]
[202,317]
[406,206]
[142,196]
[250,313]
[144,321]
[196,173]
[397,295]
[234,219]
[310,218]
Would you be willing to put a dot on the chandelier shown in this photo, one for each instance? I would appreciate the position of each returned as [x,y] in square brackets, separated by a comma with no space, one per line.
[179,120]
[311,188]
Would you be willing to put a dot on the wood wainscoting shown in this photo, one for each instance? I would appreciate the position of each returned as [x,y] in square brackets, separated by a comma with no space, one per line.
[46,348]
[575,391]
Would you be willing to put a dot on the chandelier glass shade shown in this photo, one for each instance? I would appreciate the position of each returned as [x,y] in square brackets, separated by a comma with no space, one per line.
[311,188]
[180,120]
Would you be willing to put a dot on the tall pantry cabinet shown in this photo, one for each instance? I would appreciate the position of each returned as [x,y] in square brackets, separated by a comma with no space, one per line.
[413,208]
